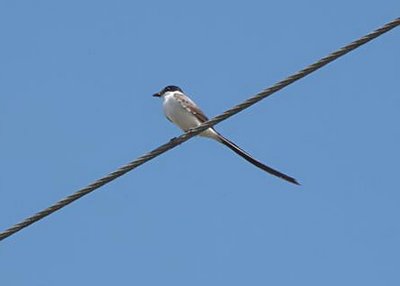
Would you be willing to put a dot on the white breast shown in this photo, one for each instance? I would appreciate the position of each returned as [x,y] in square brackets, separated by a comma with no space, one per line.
[182,117]
[175,112]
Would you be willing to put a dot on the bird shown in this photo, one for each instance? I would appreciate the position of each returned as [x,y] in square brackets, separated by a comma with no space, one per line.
[185,113]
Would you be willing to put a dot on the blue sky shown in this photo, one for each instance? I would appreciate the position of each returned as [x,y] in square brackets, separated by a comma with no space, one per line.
[76,79]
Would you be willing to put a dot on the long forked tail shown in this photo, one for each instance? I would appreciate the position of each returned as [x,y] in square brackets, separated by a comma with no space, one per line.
[255,162]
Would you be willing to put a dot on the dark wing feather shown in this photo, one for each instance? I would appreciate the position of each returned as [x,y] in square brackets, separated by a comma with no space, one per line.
[190,106]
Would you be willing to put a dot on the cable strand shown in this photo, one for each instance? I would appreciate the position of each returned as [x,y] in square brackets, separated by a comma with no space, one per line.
[195,131]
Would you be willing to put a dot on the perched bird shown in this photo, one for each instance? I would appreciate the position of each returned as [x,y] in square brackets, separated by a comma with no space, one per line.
[183,112]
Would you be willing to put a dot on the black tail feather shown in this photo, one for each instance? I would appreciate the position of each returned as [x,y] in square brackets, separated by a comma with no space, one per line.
[255,162]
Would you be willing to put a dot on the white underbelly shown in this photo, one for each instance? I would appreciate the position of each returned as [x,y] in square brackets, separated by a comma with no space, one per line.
[181,117]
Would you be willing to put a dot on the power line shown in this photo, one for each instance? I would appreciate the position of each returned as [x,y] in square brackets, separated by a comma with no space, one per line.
[186,136]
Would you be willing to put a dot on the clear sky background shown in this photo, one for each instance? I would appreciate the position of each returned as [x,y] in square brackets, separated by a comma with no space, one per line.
[76,79]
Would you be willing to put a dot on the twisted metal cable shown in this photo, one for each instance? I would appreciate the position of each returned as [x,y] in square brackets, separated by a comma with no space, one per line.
[195,131]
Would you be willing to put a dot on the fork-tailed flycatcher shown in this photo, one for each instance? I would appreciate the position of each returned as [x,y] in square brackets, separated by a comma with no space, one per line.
[183,112]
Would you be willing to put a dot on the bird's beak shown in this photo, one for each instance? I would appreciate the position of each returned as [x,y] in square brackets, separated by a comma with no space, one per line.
[157,94]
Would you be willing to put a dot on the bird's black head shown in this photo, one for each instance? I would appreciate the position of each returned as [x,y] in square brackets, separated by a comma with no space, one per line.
[167,89]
